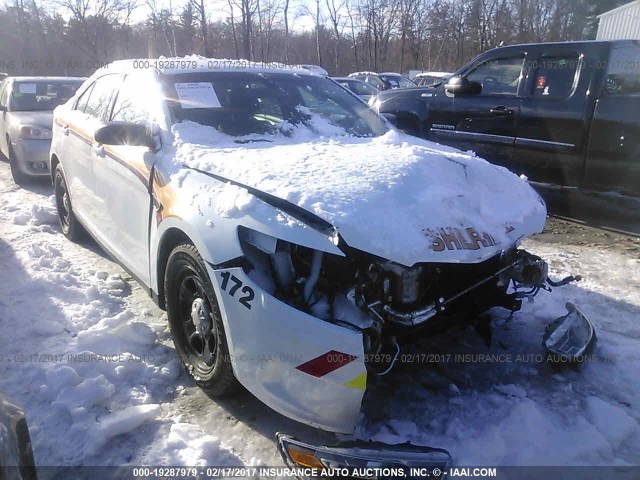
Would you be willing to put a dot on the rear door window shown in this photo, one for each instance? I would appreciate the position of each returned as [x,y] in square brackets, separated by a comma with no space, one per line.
[623,70]
[556,76]
[81,104]
[101,94]
[129,105]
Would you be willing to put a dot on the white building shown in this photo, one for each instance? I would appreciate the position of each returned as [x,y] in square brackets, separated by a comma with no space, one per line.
[620,23]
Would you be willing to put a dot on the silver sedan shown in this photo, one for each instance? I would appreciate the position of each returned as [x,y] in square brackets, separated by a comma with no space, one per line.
[26,117]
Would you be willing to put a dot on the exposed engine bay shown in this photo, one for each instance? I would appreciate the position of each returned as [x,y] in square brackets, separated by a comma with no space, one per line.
[385,301]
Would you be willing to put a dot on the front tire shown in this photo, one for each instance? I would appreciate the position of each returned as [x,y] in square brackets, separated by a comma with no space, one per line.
[195,322]
[69,224]
[19,177]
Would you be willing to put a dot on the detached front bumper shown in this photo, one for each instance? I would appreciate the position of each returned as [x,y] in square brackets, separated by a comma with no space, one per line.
[32,155]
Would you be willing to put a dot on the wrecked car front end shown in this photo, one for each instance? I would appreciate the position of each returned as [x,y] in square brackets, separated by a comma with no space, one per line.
[324,322]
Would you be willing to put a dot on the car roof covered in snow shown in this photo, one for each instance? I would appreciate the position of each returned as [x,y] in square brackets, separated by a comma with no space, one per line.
[432,74]
[195,63]
[362,73]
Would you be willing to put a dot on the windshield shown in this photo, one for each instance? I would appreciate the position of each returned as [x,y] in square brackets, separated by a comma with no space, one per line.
[397,81]
[426,80]
[41,95]
[358,87]
[247,103]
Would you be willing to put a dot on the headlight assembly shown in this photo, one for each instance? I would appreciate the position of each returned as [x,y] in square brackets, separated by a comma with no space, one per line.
[361,459]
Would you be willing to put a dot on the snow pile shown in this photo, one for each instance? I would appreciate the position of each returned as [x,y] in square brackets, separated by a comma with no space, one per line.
[382,193]
[186,444]
[611,421]
[511,390]
[91,370]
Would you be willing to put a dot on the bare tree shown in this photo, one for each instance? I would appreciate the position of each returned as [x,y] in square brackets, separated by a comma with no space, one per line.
[185,30]
[248,10]
[94,23]
[200,11]
[268,12]
[338,21]
[162,20]
[379,19]
[285,16]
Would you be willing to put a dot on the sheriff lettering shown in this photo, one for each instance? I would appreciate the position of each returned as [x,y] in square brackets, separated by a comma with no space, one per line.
[457,239]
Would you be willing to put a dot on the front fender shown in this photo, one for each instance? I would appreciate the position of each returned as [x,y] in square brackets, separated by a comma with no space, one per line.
[304,368]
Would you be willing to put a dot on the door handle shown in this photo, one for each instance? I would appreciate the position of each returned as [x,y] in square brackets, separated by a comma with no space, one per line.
[501,111]
[99,150]
[65,130]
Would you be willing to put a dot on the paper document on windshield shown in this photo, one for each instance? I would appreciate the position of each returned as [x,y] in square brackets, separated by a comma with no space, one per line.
[197,95]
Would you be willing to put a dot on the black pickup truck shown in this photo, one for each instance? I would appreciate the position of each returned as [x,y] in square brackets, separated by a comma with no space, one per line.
[562,113]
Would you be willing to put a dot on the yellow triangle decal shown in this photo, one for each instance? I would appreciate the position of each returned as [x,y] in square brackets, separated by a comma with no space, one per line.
[358,382]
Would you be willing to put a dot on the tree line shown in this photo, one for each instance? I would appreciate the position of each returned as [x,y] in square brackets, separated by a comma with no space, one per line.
[74,37]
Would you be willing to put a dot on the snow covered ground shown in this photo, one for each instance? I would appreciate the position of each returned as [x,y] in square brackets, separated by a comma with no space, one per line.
[89,357]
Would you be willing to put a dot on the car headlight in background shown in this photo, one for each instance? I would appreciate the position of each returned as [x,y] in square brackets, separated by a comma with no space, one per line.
[35,132]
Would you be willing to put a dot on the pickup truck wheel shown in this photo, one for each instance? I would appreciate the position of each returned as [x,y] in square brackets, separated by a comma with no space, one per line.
[195,322]
[69,224]
[19,177]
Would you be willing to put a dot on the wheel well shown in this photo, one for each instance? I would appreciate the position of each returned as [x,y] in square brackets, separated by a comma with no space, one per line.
[54,163]
[170,240]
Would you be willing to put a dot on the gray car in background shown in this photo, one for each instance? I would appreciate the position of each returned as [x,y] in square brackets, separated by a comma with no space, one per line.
[360,88]
[26,116]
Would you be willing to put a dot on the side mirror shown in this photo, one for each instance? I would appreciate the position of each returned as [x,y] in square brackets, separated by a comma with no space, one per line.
[391,118]
[3,108]
[462,86]
[125,133]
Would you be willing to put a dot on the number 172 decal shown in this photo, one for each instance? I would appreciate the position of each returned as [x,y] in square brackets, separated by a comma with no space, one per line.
[247,291]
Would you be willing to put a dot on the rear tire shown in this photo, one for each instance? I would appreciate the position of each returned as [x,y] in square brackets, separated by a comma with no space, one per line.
[196,323]
[19,177]
[69,224]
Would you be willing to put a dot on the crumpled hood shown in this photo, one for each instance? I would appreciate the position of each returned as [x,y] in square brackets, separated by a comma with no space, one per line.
[398,197]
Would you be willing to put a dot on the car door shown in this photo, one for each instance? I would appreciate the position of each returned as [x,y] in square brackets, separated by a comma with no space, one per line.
[82,123]
[484,122]
[551,137]
[73,148]
[123,173]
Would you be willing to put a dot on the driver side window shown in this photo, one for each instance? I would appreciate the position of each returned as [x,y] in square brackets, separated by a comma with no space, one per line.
[498,76]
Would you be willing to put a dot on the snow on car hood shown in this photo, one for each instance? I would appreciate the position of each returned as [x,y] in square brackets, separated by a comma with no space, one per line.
[398,197]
